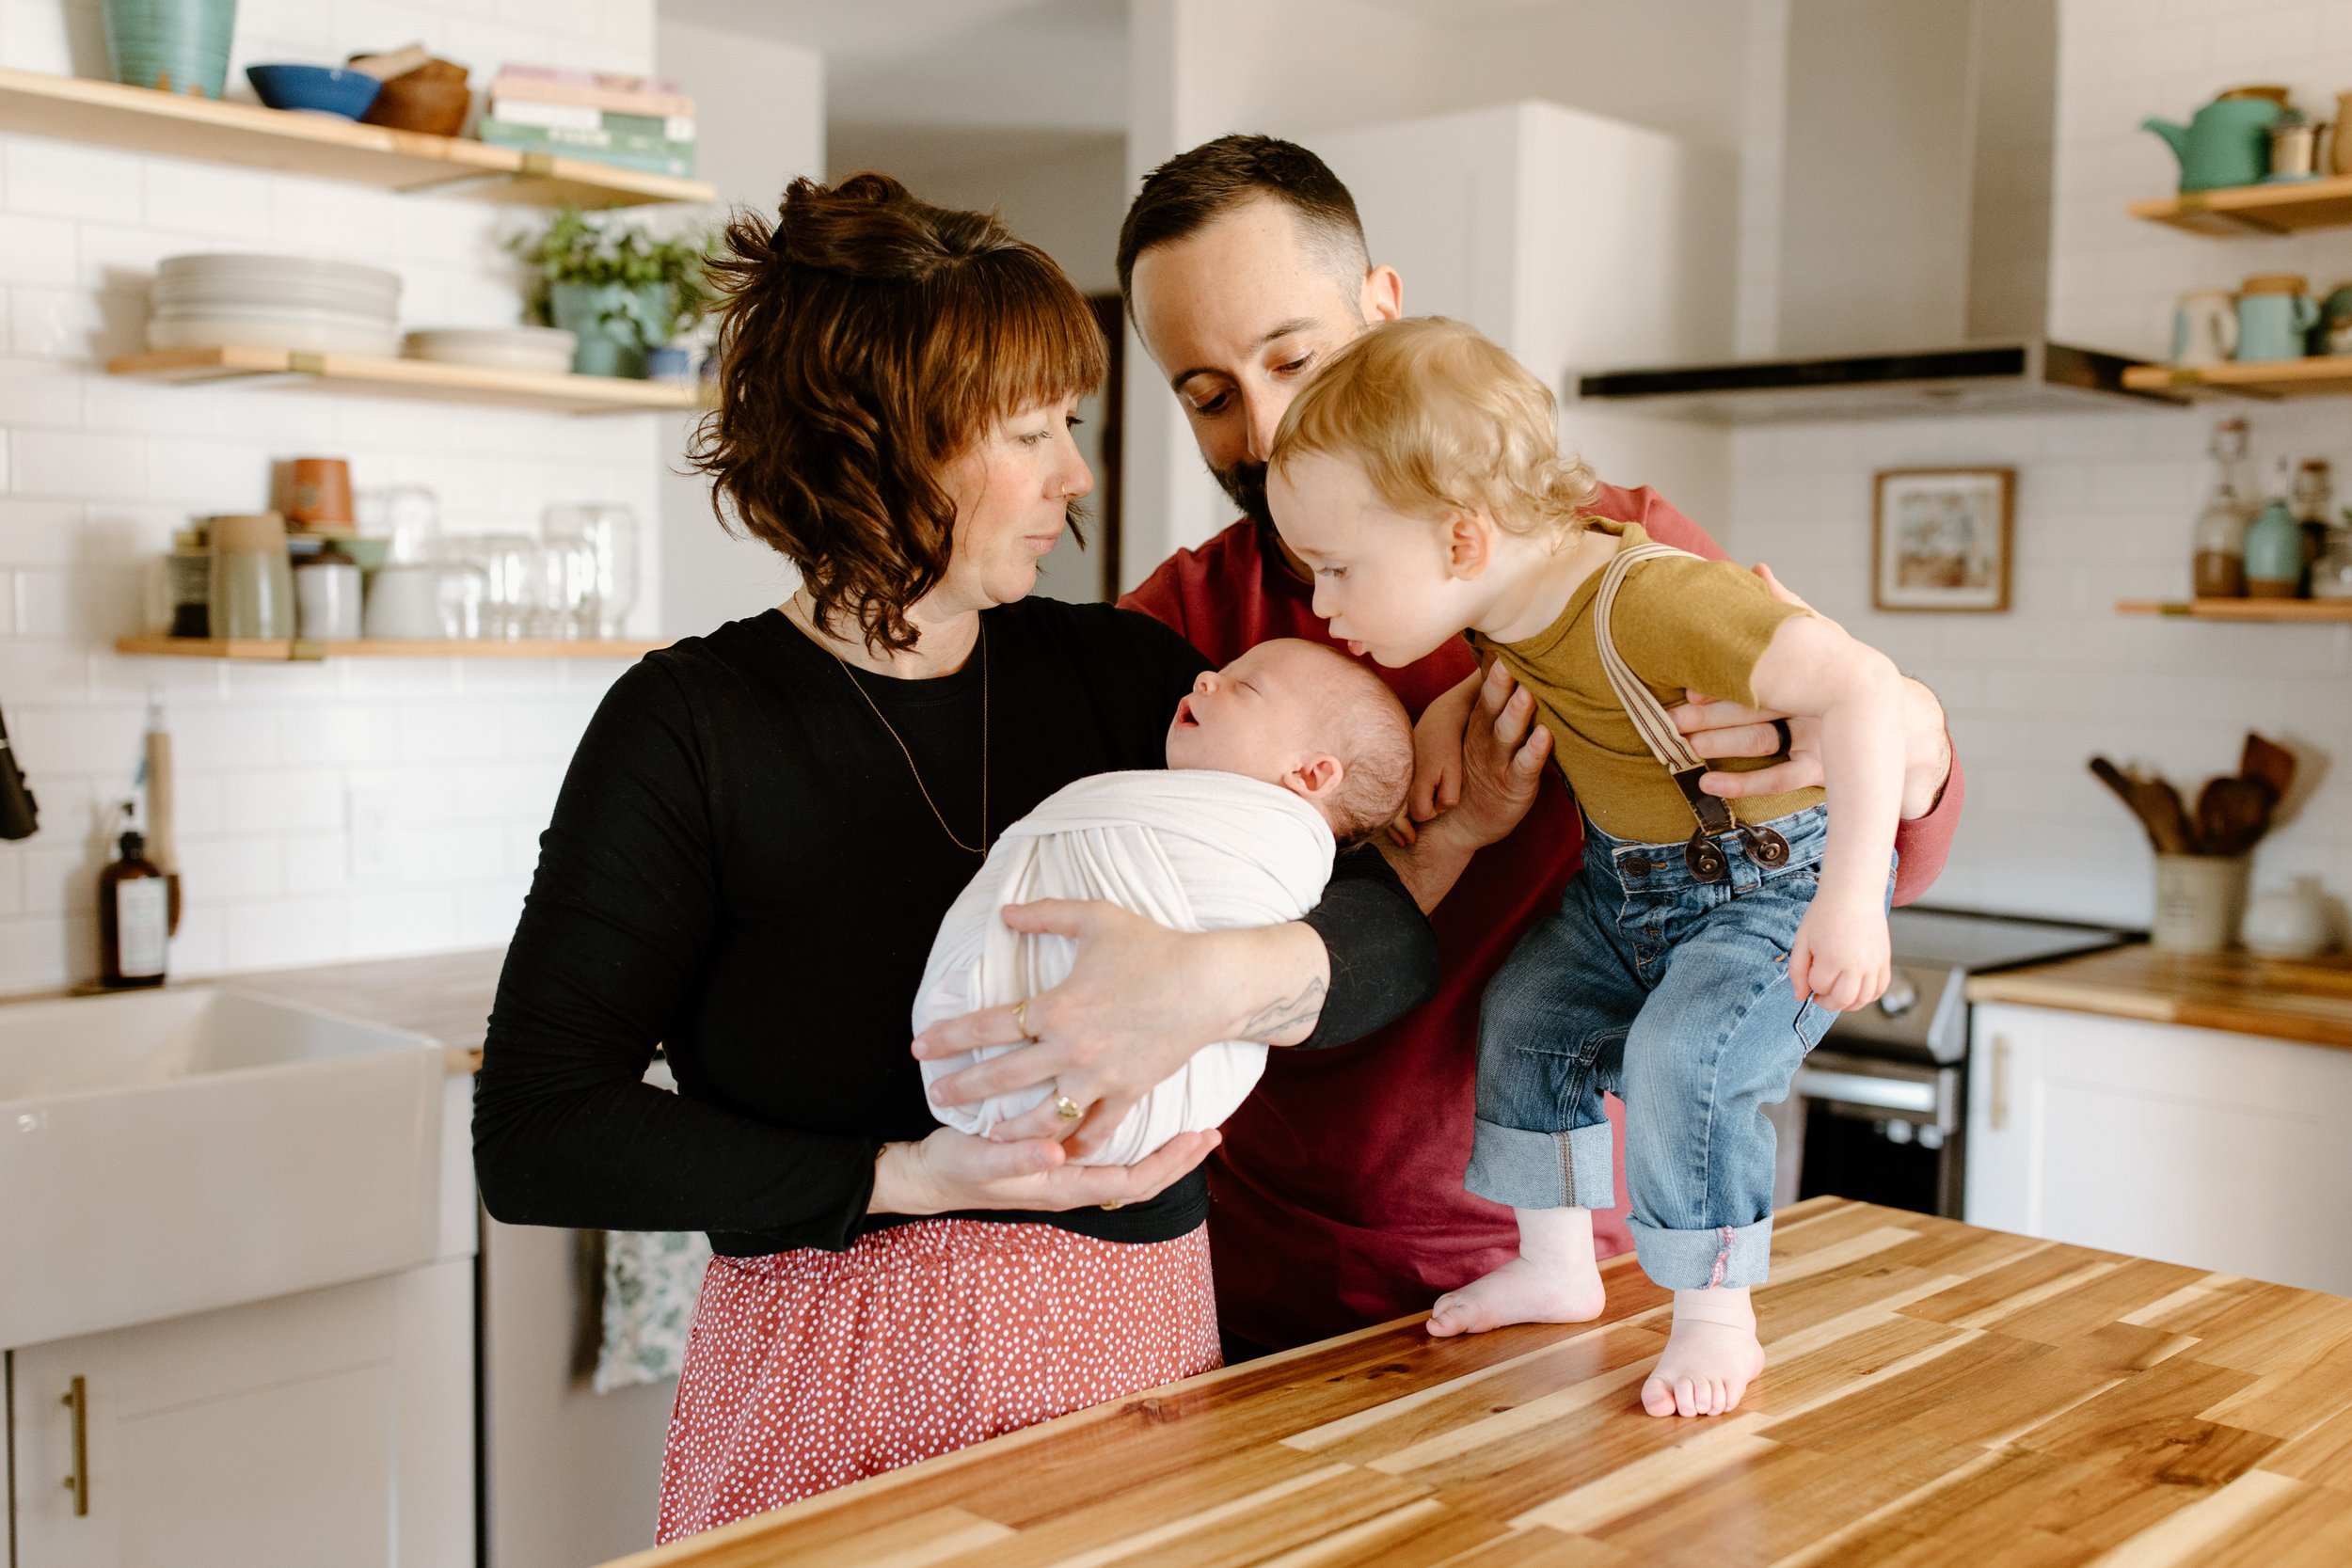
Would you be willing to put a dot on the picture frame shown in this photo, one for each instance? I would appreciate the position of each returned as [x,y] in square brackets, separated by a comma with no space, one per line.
[1941,539]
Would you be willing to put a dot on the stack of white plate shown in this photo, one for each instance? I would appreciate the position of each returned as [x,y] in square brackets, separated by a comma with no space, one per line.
[284,302]
[544,349]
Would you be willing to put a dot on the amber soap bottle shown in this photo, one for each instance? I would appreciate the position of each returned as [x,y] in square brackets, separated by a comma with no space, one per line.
[134,918]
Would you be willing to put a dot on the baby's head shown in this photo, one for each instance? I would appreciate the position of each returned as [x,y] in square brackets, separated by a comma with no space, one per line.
[1399,471]
[1308,719]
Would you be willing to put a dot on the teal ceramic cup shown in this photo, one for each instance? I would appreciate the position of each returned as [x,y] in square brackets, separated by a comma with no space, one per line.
[2274,319]
[171,45]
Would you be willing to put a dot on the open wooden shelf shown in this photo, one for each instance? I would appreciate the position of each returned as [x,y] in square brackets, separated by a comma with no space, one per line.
[2321,375]
[2272,611]
[283,652]
[363,376]
[2286,208]
[325,146]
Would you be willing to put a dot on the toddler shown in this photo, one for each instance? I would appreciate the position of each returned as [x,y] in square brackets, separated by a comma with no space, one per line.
[1274,763]
[1709,942]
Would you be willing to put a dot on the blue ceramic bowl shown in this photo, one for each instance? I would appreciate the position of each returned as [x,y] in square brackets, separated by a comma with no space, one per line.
[347,94]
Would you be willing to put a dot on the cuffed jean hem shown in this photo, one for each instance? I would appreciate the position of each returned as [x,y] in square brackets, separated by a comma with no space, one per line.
[1729,1256]
[1542,1170]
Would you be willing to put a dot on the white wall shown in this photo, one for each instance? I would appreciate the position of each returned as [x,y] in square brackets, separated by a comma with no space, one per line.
[2103,506]
[99,471]
[760,120]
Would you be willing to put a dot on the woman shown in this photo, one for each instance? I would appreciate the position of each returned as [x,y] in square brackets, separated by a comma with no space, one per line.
[758,835]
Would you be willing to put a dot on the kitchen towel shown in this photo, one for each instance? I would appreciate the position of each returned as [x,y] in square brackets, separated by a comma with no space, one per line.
[651,1280]
[1195,850]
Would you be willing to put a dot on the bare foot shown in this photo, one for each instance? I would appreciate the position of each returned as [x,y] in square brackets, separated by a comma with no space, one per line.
[1710,1358]
[1520,1291]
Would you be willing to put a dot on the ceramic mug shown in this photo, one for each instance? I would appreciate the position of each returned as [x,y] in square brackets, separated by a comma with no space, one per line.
[2205,328]
[2274,315]
[318,490]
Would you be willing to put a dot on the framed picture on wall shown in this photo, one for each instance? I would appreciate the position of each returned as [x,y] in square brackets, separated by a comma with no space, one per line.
[1940,539]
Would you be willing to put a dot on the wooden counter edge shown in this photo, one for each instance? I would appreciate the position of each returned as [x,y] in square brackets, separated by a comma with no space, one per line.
[2074,985]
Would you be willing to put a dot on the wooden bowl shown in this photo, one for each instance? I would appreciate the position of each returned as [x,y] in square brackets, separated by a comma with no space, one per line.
[421,101]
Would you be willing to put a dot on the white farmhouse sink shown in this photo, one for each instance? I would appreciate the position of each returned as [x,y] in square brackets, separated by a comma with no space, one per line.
[174,1150]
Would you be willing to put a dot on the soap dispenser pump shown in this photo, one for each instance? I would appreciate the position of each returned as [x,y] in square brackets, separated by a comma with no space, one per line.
[133,914]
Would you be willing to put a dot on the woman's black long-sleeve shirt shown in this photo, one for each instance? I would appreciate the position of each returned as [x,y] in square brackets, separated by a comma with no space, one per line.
[742,870]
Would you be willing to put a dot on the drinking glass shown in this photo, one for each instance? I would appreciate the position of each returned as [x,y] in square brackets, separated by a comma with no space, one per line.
[609,532]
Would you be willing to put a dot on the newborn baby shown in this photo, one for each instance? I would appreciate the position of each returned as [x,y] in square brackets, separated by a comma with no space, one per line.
[1275,762]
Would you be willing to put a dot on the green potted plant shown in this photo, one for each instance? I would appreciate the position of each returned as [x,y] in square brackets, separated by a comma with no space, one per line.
[620,289]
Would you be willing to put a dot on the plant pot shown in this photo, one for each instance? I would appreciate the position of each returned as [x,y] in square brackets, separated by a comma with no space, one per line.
[612,322]
[2199,901]
[171,45]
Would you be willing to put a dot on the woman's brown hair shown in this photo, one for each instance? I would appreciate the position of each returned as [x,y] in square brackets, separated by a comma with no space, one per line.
[865,340]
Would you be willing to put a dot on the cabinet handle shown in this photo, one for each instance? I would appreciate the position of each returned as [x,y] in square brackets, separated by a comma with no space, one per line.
[2000,1081]
[77,1400]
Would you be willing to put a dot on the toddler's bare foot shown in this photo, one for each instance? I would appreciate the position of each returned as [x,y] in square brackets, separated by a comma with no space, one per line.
[1710,1358]
[1520,1291]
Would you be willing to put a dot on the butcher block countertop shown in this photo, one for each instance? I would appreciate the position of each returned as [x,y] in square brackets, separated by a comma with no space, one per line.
[1938,1395]
[2300,999]
[445,995]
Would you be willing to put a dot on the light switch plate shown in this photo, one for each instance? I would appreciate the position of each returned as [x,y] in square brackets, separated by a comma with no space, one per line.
[369,815]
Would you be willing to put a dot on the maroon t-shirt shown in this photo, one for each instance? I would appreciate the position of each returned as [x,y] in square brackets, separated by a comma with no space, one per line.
[1337,1200]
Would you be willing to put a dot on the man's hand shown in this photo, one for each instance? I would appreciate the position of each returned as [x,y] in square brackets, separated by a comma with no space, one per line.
[1139,1001]
[1503,754]
[1727,729]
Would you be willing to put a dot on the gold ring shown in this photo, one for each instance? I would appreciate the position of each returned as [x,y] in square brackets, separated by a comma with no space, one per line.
[1067,1108]
[1021,1018]
[1115,1204]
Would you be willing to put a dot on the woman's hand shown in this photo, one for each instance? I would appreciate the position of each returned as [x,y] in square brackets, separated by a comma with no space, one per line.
[950,1171]
[1139,1001]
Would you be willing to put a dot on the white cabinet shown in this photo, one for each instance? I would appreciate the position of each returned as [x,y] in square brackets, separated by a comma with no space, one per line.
[2217,1151]
[331,1427]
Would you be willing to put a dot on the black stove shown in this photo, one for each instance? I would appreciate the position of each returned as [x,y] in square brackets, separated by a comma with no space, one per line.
[1878,1112]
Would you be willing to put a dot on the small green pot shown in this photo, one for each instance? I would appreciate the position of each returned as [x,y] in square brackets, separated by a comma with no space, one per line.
[612,322]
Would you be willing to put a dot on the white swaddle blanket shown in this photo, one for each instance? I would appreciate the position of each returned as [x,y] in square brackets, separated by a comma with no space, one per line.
[1193,850]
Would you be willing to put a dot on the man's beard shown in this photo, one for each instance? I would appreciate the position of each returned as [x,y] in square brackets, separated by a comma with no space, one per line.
[1244,484]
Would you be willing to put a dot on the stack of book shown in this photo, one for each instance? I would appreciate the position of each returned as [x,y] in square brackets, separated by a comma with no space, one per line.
[635,123]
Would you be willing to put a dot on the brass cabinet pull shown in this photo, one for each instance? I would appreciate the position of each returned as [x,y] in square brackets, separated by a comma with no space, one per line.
[77,1400]
[2000,1081]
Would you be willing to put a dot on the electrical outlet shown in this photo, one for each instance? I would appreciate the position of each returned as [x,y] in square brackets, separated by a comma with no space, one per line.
[369,814]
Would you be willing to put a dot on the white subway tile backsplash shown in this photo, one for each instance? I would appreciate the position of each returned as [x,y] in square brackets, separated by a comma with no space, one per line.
[36,250]
[82,464]
[64,180]
[268,933]
[231,869]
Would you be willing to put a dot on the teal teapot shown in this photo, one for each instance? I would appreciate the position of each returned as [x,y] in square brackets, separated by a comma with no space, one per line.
[2226,143]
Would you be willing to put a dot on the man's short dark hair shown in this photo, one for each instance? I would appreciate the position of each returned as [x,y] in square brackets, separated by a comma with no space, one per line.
[1194,189]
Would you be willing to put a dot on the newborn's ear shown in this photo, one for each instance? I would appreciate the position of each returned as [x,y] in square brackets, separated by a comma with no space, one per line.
[1317,777]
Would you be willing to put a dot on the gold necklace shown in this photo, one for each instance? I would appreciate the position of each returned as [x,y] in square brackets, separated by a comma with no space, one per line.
[855,685]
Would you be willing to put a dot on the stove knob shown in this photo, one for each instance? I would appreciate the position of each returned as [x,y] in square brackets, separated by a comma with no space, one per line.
[1901,996]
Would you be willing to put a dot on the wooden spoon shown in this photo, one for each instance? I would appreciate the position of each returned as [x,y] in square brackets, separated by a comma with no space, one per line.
[2233,814]
[2153,801]
[2270,762]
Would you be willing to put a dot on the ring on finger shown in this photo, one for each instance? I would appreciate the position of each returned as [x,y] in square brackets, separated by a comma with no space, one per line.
[1115,1203]
[1067,1108]
[1780,727]
[1021,1018]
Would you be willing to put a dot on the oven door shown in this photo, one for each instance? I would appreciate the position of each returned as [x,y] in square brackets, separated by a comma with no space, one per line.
[1879,1130]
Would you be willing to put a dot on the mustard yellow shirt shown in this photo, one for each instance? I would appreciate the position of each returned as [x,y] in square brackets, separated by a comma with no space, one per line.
[1682,624]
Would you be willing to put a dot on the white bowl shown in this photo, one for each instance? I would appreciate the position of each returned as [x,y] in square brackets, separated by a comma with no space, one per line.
[243,267]
[544,349]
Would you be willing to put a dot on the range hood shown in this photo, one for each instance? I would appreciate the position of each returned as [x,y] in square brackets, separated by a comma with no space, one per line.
[1895,255]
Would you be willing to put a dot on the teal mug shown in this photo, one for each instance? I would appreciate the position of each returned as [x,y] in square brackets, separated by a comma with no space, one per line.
[2275,316]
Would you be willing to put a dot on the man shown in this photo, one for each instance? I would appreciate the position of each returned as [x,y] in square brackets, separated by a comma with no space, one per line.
[1337,1198]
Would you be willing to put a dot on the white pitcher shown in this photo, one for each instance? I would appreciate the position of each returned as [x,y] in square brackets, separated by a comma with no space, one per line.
[2205,328]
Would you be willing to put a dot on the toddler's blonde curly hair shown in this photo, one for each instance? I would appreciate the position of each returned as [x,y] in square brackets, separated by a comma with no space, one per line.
[1443,420]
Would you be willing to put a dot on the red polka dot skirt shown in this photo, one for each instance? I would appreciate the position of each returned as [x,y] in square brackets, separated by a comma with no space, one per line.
[809,1369]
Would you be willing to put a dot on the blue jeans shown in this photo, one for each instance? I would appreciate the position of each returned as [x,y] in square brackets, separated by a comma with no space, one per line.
[1674,993]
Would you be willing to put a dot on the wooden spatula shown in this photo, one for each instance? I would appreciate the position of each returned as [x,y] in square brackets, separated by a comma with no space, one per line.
[2232,814]
[2270,762]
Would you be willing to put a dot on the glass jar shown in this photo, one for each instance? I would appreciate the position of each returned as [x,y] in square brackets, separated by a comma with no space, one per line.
[252,588]
[2331,574]
[2219,537]
[609,532]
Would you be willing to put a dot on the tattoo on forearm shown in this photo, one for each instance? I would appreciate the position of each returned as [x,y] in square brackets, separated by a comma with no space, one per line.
[1280,1018]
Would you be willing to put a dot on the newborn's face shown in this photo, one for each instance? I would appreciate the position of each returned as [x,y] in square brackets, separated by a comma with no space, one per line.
[1256,716]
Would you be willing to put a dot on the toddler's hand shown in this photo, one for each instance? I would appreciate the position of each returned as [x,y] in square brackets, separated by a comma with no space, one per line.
[1438,753]
[1841,957]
